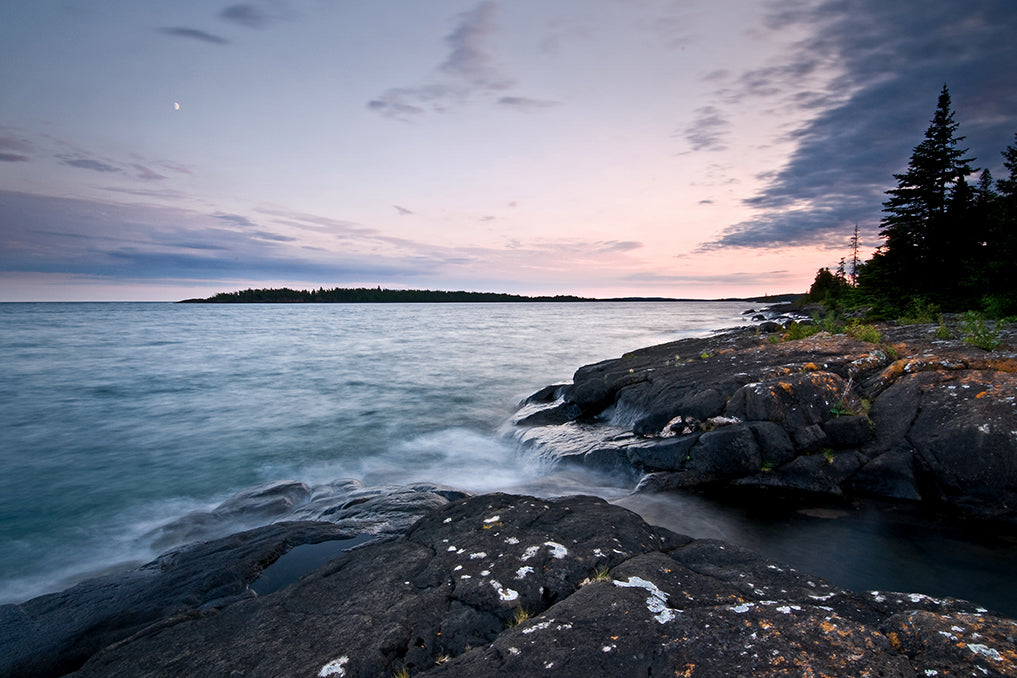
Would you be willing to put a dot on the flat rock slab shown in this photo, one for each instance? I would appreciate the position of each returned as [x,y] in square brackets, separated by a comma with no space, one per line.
[504,585]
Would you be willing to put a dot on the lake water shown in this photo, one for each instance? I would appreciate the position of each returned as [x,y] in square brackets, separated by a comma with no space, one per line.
[116,418]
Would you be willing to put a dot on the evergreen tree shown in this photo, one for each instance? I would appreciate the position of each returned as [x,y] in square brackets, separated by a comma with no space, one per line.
[1001,239]
[920,234]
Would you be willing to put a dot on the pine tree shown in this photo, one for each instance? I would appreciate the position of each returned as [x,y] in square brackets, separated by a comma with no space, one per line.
[920,236]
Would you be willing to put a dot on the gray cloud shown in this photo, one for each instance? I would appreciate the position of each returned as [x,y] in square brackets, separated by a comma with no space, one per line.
[402,210]
[894,61]
[707,131]
[237,219]
[618,245]
[43,234]
[18,146]
[90,164]
[526,104]
[147,174]
[735,278]
[470,71]
[194,34]
[470,57]
[245,14]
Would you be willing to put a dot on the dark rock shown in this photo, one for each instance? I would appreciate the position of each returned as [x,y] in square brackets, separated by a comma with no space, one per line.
[728,452]
[53,634]
[704,404]
[849,431]
[603,593]
[940,418]
[890,475]
[775,446]
[770,326]
[796,401]
[666,454]
[547,394]
[552,416]
[809,439]
[815,474]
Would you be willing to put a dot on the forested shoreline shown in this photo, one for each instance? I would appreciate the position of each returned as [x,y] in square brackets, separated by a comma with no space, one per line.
[366,295]
[948,244]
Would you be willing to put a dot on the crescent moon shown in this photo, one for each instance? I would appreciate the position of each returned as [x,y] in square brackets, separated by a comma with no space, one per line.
[176,106]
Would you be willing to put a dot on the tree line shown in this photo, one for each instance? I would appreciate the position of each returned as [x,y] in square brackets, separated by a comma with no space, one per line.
[365,295]
[946,242]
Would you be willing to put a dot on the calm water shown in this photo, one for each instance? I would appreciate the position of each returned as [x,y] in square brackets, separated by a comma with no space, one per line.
[117,418]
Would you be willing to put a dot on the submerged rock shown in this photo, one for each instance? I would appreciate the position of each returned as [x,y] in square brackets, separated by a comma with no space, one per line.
[912,418]
[502,585]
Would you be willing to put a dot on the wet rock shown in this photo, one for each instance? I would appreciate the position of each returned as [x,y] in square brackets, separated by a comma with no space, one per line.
[54,634]
[502,585]
[728,452]
[890,475]
[923,420]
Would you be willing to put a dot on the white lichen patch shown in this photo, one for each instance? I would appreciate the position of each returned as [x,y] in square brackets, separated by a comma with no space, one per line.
[557,550]
[504,594]
[598,553]
[478,555]
[984,428]
[826,597]
[523,571]
[485,573]
[529,552]
[608,648]
[786,609]
[985,651]
[743,608]
[656,603]
[446,521]
[511,540]
[514,650]
[334,667]
[540,626]
[451,549]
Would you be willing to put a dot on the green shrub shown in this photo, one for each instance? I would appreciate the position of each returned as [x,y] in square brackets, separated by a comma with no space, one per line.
[1000,306]
[796,330]
[943,332]
[978,333]
[866,333]
[919,312]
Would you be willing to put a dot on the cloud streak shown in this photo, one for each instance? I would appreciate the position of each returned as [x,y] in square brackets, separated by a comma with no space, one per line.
[194,34]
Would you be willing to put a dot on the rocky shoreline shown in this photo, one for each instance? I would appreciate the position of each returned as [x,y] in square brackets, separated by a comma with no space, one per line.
[426,580]
[911,418]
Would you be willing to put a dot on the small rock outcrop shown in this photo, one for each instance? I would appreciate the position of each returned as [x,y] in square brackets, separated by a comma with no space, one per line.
[911,418]
[502,585]
[54,634]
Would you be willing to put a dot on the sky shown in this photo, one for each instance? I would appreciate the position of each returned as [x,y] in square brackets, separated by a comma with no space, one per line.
[605,148]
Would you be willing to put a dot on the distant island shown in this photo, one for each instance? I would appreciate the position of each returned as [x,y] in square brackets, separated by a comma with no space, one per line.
[364,295]
[378,295]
